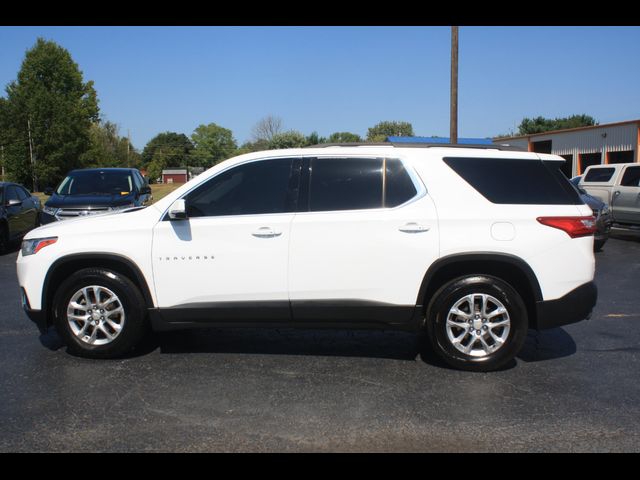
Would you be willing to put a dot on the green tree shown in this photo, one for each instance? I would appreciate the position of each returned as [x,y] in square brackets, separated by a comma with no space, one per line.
[51,103]
[380,132]
[344,137]
[315,139]
[530,126]
[212,144]
[166,150]
[290,139]
[108,149]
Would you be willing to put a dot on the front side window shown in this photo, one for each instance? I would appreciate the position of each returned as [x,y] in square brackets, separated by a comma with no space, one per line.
[22,193]
[631,177]
[11,193]
[251,189]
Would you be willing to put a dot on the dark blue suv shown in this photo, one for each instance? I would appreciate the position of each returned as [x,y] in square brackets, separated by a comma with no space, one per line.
[96,190]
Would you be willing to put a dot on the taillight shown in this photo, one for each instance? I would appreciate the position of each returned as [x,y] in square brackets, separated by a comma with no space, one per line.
[573,226]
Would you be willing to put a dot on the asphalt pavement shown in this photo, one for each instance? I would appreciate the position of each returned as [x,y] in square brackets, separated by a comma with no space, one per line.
[572,389]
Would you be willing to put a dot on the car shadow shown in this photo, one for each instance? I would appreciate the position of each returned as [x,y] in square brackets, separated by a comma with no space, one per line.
[545,345]
[394,345]
[289,341]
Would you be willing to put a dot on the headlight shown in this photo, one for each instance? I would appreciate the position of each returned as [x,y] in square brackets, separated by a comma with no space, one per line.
[122,207]
[34,245]
[50,210]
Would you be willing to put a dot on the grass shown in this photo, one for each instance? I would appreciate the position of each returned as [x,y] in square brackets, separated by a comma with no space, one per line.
[158,191]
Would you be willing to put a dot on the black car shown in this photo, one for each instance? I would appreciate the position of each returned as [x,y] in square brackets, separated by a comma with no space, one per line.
[96,190]
[19,213]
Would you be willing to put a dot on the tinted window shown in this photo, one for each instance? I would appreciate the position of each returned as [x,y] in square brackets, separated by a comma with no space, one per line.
[96,182]
[11,193]
[399,187]
[599,175]
[631,177]
[251,189]
[345,184]
[137,180]
[22,193]
[516,181]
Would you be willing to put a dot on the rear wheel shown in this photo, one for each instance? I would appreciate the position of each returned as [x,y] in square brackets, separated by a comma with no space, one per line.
[99,313]
[477,323]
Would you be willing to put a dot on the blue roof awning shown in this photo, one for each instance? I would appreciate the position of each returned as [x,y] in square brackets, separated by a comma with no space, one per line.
[461,141]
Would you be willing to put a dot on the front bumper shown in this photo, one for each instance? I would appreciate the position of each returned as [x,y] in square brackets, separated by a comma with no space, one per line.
[571,308]
[36,316]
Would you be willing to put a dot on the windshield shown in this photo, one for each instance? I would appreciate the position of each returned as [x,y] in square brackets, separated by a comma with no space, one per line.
[96,182]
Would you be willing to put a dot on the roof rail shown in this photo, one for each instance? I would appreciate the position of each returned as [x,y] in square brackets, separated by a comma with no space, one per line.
[421,145]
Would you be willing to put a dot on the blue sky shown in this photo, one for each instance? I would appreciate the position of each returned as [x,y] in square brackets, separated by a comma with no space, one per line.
[326,79]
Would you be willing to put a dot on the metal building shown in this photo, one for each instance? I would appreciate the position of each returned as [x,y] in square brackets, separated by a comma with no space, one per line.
[601,144]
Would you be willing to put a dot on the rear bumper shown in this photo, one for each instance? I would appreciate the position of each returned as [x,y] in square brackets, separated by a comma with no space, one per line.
[571,308]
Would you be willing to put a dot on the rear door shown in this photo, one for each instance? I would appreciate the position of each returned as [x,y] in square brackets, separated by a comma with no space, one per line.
[360,241]
[626,197]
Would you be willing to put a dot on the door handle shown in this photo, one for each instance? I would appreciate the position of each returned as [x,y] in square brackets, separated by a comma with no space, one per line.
[266,232]
[413,228]
[616,193]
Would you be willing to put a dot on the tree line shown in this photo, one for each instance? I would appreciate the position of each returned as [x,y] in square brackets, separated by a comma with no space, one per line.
[50,123]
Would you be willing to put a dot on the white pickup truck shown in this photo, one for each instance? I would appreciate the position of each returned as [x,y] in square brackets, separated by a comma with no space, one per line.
[619,186]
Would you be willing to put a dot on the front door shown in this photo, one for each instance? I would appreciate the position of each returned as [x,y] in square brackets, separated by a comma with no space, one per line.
[228,259]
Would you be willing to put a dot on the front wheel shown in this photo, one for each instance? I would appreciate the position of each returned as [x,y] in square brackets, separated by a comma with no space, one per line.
[99,313]
[477,323]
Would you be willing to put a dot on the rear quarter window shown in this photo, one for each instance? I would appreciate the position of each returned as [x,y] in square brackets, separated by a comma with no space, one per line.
[599,175]
[516,181]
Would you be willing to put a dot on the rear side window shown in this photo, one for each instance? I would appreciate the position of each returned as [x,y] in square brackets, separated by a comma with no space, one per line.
[399,187]
[516,181]
[358,184]
[631,177]
[599,175]
[345,184]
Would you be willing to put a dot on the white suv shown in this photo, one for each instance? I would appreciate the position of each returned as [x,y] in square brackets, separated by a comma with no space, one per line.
[447,240]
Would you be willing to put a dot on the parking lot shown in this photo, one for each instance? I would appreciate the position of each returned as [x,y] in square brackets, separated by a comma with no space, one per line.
[572,389]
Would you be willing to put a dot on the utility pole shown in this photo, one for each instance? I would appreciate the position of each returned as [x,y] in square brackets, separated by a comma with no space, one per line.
[33,163]
[453,131]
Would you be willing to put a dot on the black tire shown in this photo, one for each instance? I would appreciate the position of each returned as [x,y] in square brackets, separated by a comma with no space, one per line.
[135,324]
[598,244]
[447,296]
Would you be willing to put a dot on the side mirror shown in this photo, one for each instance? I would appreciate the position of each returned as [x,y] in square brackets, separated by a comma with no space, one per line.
[178,210]
[145,190]
[48,191]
